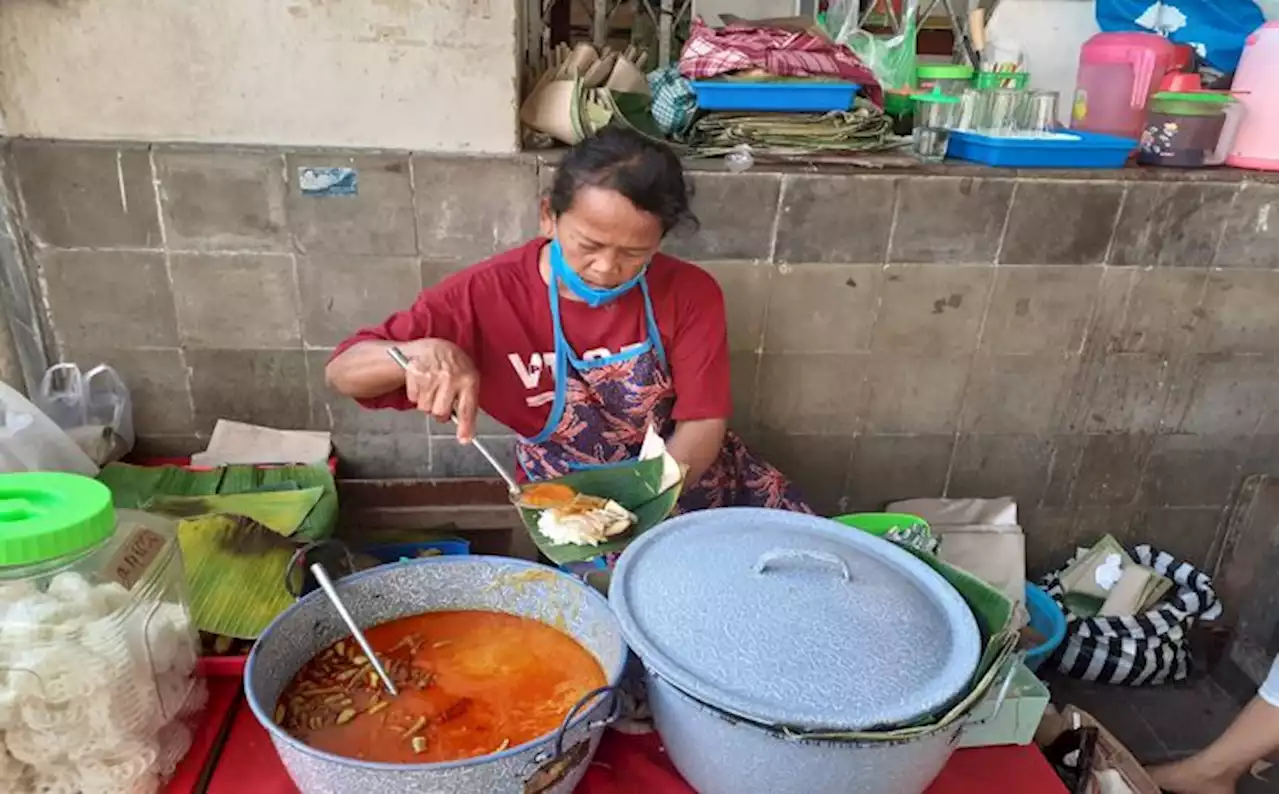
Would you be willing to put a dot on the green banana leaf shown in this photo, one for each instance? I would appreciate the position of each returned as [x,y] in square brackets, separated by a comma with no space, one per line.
[322,521]
[635,486]
[232,595]
[132,485]
[281,512]
[234,569]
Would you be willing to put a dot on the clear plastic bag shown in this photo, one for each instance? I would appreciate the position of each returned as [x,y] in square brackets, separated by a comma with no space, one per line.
[30,441]
[93,408]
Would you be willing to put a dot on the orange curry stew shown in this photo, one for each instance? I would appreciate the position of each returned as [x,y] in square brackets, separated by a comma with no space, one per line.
[470,684]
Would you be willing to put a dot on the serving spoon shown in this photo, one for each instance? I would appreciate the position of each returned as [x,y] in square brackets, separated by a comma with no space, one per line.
[513,488]
[322,578]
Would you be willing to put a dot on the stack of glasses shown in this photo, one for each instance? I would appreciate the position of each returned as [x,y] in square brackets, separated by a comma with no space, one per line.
[1001,112]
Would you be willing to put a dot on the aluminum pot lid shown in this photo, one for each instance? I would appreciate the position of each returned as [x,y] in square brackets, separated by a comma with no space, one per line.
[794,620]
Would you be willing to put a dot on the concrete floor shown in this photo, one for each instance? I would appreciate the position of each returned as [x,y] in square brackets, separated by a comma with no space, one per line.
[1162,723]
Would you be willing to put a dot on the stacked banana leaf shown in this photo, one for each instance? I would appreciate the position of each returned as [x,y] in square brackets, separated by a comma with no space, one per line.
[584,90]
[238,528]
[864,129]
[644,487]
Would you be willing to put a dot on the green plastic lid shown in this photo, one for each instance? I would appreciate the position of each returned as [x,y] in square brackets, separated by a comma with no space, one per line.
[943,71]
[936,95]
[44,516]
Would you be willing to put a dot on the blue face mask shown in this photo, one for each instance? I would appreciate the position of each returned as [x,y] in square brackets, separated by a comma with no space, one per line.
[595,297]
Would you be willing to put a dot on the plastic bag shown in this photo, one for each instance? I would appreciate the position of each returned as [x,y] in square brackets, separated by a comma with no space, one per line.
[891,58]
[30,441]
[1215,29]
[93,408]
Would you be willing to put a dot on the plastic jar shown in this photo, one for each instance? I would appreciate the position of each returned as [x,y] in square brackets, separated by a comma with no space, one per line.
[949,78]
[1189,129]
[97,647]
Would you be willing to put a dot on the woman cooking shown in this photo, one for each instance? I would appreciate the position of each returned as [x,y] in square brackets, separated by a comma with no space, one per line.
[581,339]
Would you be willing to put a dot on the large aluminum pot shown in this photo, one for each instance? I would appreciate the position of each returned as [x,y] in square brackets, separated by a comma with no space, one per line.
[757,627]
[718,753]
[551,764]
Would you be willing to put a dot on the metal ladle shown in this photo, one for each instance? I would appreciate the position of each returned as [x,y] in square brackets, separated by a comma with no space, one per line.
[513,488]
[322,578]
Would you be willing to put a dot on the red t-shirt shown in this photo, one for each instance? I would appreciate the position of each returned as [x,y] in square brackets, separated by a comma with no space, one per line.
[498,311]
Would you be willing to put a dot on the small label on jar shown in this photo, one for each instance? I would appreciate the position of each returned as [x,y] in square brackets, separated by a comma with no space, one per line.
[135,556]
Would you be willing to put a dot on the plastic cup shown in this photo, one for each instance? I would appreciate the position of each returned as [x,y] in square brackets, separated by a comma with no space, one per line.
[935,117]
[1004,112]
[974,111]
[1040,113]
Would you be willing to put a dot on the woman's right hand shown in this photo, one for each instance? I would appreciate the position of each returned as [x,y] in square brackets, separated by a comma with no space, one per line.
[442,381]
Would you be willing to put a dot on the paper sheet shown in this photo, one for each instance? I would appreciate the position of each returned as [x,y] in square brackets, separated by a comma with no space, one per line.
[240,443]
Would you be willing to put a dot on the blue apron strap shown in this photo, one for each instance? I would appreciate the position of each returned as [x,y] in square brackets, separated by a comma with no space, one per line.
[561,363]
[655,337]
[566,357]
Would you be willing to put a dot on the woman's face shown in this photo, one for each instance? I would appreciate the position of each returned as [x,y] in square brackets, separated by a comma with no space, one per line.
[606,239]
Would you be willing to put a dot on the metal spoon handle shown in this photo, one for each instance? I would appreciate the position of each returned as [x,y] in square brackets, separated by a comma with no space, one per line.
[513,487]
[322,578]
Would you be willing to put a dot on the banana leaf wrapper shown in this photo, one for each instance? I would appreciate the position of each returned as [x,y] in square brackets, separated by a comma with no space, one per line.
[636,486]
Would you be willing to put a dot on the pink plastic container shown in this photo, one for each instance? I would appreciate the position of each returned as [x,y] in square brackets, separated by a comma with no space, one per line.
[1118,74]
[1257,144]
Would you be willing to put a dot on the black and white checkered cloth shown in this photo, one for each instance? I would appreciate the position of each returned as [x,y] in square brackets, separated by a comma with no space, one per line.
[1137,650]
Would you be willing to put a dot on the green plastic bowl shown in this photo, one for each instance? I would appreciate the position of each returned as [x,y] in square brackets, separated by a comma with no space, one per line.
[879,524]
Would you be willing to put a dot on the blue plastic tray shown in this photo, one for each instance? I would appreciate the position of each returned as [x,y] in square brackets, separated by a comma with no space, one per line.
[1086,150]
[792,97]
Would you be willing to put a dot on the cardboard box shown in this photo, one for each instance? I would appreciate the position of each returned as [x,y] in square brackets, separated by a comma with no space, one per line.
[1111,754]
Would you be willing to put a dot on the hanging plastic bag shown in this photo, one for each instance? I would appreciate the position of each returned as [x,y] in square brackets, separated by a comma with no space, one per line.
[1215,29]
[1137,650]
[891,58]
[30,441]
[93,408]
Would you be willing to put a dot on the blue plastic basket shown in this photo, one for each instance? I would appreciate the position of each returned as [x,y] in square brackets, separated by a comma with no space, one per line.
[790,97]
[1046,618]
[395,552]
[1082,150]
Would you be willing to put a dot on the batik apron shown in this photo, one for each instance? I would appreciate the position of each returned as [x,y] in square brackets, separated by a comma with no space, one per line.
[602,408]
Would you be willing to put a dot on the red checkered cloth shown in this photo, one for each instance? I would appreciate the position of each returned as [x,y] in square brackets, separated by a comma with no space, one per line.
[711,52]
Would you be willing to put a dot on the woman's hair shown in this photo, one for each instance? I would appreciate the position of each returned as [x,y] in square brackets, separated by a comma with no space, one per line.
[648,173]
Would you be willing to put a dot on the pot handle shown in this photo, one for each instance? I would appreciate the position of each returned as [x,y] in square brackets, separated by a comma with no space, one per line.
[774,556]
[615,713]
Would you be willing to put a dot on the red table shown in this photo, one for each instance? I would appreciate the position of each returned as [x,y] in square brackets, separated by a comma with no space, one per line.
[623,764]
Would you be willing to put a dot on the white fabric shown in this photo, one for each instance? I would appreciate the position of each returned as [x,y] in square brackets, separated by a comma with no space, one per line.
[1270,689]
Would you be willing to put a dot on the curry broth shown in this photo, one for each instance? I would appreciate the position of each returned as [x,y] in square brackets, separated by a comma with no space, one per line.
[471,683]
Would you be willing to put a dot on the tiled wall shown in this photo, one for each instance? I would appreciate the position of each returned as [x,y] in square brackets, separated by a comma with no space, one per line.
[1103,347]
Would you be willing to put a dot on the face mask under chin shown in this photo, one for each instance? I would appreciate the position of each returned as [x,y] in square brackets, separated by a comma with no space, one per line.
[593,296]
